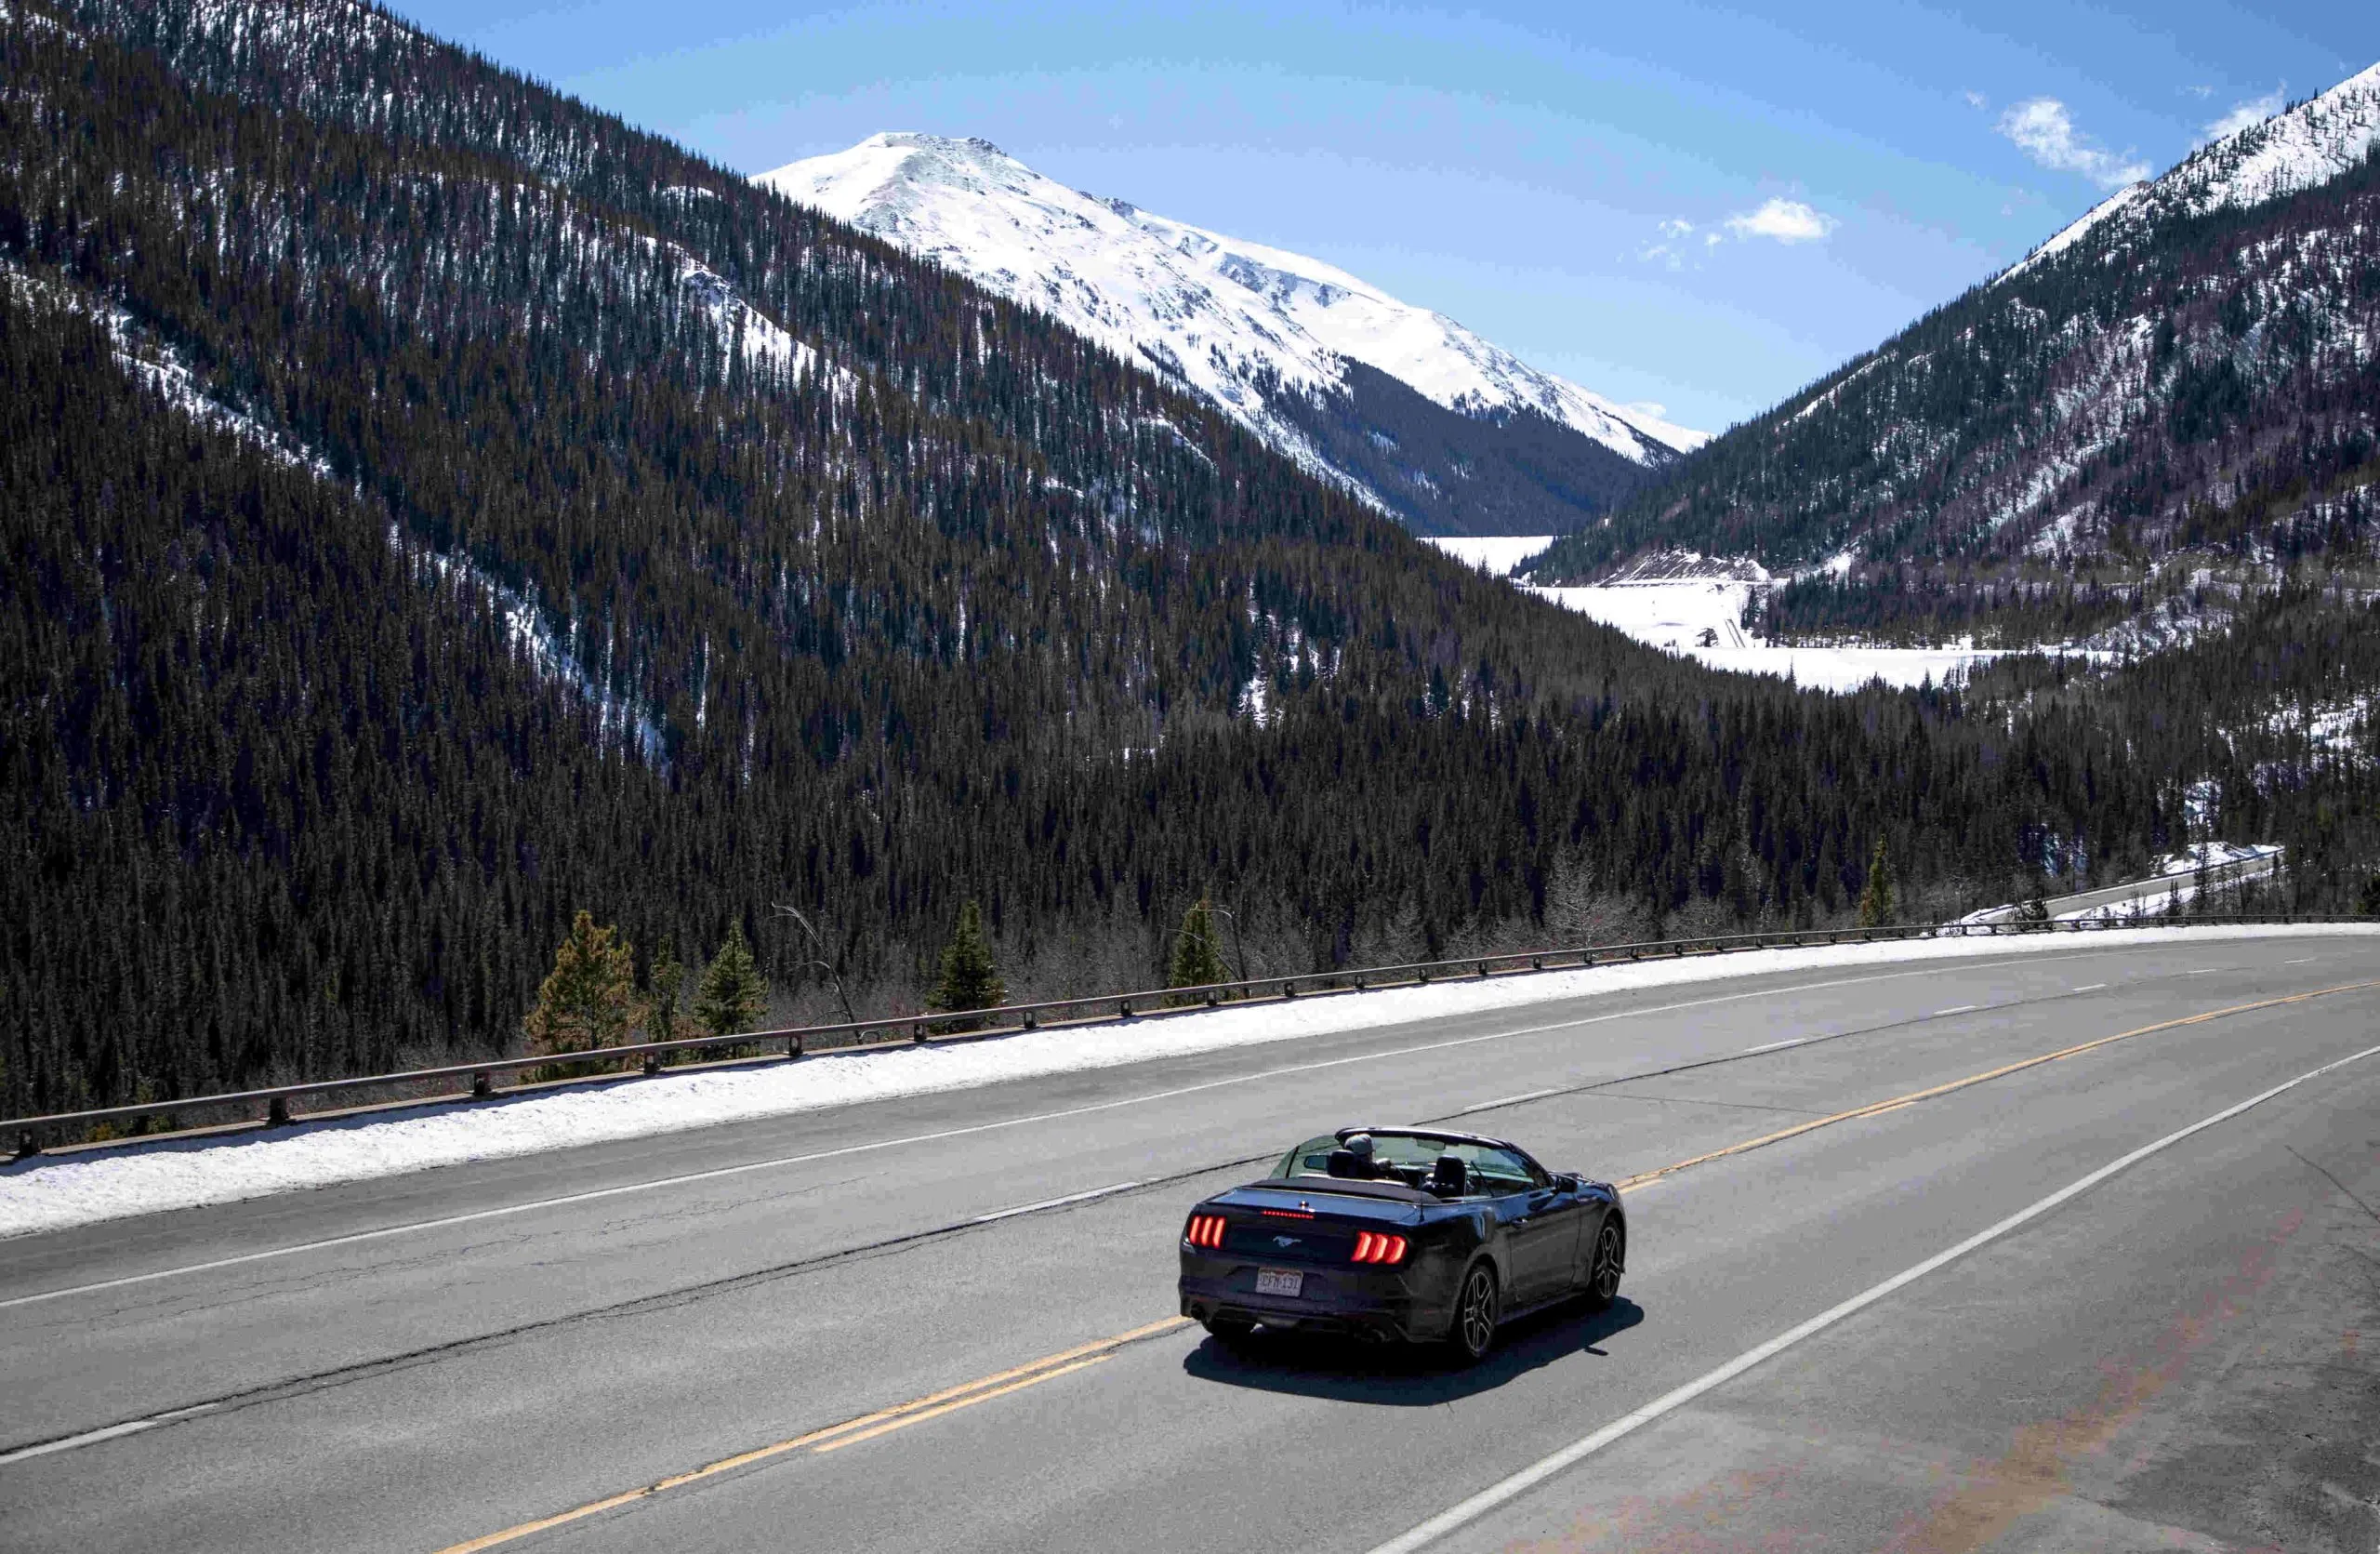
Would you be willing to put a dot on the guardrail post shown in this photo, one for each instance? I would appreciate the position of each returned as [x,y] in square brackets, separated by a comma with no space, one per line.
[1124,1008]
[652,1064]
[277,1114]
[1289,990]
[1359,984]
[1032,1021]
[483,1085]
[792,1048]
[1483,968]
[918,1030]
[27,1145]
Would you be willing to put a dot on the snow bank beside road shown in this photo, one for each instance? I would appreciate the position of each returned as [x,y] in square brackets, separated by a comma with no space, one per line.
[52,1194]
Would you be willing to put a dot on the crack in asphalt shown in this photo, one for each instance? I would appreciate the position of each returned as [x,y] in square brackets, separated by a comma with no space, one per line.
[666,1300]
[2345,1191]
[661,1301]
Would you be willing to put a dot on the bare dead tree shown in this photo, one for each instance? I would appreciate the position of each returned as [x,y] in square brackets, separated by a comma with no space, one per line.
[818,959]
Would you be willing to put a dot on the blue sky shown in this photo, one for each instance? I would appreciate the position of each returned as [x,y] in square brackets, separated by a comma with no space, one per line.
[1699,206]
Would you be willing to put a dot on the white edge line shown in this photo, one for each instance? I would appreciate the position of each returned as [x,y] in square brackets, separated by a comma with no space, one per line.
[1529,1478]
[1054,1203]
[2095,986]
[718,1173]
[1509,1100]
[1956,1009]
[92,1438]
[1773,1046]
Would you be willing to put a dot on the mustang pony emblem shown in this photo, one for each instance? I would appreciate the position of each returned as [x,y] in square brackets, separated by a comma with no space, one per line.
[1285,1241]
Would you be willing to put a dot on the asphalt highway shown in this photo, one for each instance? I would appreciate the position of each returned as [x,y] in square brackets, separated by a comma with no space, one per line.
[830,1331]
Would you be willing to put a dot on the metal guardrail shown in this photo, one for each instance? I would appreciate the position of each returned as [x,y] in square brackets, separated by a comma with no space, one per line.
[1011,1019]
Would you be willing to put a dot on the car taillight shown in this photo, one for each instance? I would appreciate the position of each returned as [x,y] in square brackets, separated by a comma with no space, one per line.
[1371,1247]
[1204,1229]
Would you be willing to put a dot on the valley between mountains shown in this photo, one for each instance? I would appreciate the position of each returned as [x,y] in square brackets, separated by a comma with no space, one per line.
[436,507]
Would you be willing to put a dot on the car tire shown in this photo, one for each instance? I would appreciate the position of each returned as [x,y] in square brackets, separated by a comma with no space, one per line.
[1604,1269]
[1478,1303]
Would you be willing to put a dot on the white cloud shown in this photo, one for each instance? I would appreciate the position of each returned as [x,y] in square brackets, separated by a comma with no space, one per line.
[2256,110]
[1786,220]
[1976,99]
[1675,227]
[2044,131]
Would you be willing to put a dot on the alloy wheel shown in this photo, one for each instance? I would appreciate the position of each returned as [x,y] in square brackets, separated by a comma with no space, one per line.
[1602,1280]
[1475,1314]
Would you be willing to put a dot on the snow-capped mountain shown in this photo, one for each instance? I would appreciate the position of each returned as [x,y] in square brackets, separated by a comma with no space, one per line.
[2171,404]
[2296,148]
[1279,338]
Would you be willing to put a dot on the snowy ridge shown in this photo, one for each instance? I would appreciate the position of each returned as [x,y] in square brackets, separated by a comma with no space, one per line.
[160,368]
[1231,320]
[2065,239]
[2294,150]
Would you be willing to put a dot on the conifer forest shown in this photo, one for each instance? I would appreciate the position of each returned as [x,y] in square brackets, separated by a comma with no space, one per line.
[433,509]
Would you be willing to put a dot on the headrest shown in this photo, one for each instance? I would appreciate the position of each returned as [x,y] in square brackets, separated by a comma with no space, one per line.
[1343,1162]
[1448,1177]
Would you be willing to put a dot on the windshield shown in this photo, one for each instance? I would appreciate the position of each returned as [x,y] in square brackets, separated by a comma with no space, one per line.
[1412,1157]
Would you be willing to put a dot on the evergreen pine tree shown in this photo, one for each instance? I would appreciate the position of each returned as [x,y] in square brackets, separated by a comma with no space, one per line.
[1876,901]
[733,995]
[588,999]
[1198,957]
[669,986]
[970,979]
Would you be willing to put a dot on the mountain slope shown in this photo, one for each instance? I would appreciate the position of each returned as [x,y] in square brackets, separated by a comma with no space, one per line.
[2172,400]
[1271,336]
[431,507]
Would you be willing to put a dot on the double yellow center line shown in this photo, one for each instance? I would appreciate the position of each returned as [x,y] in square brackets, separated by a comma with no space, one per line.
[934,1405]
[851,1432]
[1897,1102]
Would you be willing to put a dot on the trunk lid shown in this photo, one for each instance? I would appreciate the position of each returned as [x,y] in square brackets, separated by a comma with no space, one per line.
[1304,1224]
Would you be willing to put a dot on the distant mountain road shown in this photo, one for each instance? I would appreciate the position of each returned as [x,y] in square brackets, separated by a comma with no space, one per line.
[969,1341]
[2155,889]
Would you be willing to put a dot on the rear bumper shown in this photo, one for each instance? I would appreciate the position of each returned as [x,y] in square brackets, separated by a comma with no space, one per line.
[1379,1307]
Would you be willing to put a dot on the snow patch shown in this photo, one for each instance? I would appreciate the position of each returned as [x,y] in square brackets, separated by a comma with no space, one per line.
[54,1193]
[1497,552]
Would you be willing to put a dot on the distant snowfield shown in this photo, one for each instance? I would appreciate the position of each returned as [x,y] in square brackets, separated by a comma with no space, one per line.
[60,1192]
[1675,613]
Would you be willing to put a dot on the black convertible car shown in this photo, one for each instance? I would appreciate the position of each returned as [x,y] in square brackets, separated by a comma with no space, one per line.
[1401,1233]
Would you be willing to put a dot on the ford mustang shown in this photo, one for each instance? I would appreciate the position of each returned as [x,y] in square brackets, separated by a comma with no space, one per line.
[1401,1234]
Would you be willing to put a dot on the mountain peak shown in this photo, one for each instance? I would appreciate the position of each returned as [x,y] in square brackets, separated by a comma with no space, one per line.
[2306,144]
[1236,322]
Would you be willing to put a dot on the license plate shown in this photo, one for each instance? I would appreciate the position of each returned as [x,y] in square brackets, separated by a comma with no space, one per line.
[1278,1282]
